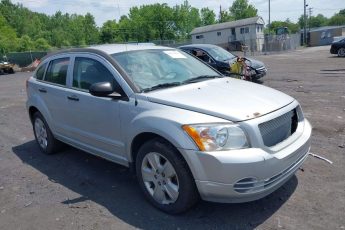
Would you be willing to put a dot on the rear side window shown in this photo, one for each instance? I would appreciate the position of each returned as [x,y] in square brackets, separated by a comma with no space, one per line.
[88,71]
[40,72]
[57,71]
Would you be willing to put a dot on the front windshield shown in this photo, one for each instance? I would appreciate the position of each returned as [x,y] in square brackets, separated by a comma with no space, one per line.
[149,68]
[220,54]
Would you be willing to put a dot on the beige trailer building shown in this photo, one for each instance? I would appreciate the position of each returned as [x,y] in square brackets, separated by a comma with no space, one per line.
[229,35]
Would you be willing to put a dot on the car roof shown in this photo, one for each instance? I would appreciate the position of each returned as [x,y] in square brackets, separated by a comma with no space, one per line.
[108,49]
[200,46]
[118,48]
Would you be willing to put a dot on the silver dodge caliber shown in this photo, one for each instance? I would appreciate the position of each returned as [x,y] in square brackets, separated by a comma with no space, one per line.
[185,130]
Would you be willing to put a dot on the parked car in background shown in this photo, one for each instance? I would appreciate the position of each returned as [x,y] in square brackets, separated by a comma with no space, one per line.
[221,59]
[186,130]
[338,47]
[6,67]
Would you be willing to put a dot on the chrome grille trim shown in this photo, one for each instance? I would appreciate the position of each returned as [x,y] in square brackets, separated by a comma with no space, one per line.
[279,129]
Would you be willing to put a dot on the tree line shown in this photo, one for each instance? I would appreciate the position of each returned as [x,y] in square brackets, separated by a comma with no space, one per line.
[22,29]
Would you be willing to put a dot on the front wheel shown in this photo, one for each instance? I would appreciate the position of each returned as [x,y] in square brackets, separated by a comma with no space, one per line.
[165,178]
[341,52]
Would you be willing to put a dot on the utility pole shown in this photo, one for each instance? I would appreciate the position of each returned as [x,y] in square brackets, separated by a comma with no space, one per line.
[269,16]
[220,14]
[305,23]
[310,12]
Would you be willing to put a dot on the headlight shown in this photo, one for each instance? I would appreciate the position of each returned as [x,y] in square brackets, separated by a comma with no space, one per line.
[217,137]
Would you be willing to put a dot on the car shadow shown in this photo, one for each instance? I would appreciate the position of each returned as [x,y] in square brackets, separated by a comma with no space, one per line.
[115,188]
[332,70]
[335,56]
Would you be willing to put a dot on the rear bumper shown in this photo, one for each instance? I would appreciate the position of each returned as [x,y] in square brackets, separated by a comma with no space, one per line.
[249,174]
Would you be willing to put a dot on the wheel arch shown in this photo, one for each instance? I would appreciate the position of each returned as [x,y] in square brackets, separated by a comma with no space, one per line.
[144,137]
[32,111]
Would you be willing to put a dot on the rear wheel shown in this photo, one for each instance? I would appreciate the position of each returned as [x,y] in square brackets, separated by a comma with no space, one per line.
[43,135]
[165,178]
[341,52]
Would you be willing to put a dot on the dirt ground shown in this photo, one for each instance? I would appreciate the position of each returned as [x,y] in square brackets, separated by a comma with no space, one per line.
[74,190]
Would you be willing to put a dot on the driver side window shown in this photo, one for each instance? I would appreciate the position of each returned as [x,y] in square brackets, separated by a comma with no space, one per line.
[88,71]
[202,56]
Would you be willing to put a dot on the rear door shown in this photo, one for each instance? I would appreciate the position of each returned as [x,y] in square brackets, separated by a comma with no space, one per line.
[51,87]
[94,122]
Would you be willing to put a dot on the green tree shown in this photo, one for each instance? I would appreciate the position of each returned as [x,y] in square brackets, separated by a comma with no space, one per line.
[8,37]
[25,44]
[91,32]
[109,31]
[41,44]
[208,17]
[186,18]
[313,21]
[337,19]
[241,9]
[125,29]
[224,17]
[160,16]
[292,27]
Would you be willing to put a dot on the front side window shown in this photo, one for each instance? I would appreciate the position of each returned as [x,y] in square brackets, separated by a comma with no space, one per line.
[88,71]
[40,72]
[57,71]
[219,53]
[149,68]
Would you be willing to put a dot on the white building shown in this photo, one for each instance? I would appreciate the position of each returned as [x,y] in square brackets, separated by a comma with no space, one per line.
[230,35]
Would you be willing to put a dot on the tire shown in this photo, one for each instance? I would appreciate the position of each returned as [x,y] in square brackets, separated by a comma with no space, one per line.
[176,191]
[341,52]
[43,135]
[11,71]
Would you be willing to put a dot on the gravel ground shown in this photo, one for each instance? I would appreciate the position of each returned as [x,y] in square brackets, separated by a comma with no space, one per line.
[74,190]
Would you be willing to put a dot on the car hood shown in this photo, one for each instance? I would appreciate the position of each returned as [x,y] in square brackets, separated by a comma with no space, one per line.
[231,99]
[252,62]
[255,63]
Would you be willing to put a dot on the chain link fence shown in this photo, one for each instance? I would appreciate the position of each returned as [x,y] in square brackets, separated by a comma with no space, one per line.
[264,45]
[271,44]
[23,59]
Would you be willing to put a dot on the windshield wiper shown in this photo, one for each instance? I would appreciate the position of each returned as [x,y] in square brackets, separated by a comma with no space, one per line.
[162,86]
[202,78]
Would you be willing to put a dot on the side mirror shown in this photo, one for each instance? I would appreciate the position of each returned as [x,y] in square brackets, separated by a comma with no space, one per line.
[101,89]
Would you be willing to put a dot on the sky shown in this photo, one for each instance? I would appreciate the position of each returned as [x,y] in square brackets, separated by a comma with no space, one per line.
[104,10]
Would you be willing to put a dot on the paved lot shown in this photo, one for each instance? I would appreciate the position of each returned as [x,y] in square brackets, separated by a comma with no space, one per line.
[74,190]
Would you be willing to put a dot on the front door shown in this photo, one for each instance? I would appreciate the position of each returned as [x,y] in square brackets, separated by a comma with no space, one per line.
[94,122]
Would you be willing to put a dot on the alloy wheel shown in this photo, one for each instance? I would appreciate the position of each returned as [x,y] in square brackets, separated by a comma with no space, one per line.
[160,178]
[341,52]
[41,133]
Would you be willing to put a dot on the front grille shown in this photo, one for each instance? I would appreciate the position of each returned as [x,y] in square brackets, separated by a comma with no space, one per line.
[279,129]
[261,70]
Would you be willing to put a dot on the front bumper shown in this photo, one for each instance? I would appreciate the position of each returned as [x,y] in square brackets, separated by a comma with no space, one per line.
[333,50]
[248,174]
[259,73]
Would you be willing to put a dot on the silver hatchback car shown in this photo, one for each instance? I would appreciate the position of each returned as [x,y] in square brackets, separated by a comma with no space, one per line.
[186,130]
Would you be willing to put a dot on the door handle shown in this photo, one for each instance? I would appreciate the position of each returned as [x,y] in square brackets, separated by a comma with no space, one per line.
[42,90]
[73,98]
